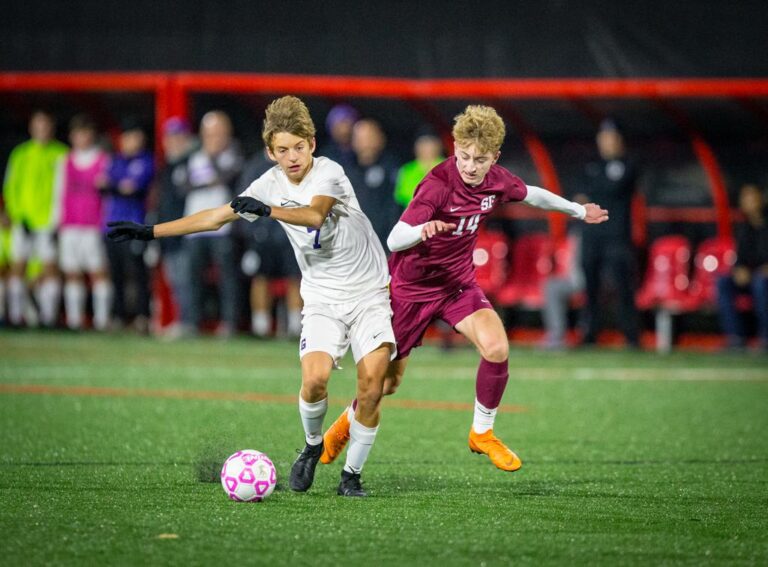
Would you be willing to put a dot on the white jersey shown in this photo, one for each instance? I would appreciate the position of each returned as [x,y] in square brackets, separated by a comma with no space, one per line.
[344,260]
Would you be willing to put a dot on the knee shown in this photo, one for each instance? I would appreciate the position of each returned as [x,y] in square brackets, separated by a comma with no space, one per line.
[495,350]
[315,384]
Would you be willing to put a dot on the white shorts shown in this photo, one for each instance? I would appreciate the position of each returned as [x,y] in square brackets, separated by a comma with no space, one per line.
[38,244]
[364,324]
[81,249]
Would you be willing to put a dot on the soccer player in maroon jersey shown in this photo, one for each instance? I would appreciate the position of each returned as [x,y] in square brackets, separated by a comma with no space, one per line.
[433,276]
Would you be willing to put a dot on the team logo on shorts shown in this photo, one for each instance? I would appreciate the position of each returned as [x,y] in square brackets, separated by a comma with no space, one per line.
[303,344]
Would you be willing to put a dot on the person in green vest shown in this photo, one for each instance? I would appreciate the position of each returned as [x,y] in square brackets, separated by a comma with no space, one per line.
[429,152]
[30,198]
[5,260]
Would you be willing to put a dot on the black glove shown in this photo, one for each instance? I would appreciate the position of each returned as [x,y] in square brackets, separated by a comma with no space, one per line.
[127,230]
[250,205]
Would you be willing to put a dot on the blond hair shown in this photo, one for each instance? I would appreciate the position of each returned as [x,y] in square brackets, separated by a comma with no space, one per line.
[287,114]
[479,125]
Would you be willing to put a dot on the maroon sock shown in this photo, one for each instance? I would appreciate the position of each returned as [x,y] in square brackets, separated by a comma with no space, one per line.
[491,380]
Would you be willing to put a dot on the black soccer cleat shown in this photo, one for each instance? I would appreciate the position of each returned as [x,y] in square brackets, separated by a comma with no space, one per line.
[303,469]
[350,485]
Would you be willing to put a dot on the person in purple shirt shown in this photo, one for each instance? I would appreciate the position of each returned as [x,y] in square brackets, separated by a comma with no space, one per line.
[433,276]
[126,185]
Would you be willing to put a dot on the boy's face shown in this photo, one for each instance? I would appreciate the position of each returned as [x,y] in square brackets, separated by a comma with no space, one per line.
[610,144]
[41,127]
[132,142]
[293,154]
[473,164]
[751,200]
[82,138]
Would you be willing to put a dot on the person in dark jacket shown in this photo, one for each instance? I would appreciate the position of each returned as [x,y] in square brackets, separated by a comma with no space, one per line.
[750,272]
[607,248]
[126,184]
[178,145]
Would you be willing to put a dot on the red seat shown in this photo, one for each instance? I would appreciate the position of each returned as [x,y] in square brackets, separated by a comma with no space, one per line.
[714,258]
[490,258]
[531,263]
[666,281]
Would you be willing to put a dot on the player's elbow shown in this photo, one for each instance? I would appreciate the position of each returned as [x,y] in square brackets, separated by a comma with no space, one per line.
[391,243]
[217,218]
[316,220]
[394,243]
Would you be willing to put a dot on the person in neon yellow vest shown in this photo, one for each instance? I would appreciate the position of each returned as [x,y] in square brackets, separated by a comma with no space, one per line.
[429,152]
[29,196]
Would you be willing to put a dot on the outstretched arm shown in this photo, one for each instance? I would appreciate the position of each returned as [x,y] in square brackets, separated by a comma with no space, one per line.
[312,216]
[204,221]
[543,199]
[404,236]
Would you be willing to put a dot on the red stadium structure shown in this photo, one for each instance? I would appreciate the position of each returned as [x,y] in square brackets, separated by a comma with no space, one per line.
[172,93]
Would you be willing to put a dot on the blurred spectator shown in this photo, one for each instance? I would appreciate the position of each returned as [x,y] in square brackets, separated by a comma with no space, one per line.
[559,290]
[28,193]
[338,124]
[81,247]
[212,172]
[428,150]
[178,146]
[749,273]
[373,176]
[269,257]
[126,185]
[607,247]
[5,260]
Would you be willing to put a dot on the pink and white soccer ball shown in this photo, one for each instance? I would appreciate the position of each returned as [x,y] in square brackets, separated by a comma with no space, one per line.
[248,476]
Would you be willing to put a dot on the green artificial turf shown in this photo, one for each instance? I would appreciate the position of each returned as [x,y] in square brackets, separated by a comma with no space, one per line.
[629,458]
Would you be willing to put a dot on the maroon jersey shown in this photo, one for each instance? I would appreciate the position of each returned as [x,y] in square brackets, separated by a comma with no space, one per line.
[443,264]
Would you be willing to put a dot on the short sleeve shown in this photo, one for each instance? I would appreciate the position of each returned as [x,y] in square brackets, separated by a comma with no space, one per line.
[514,189]
[428,199]
[332,181]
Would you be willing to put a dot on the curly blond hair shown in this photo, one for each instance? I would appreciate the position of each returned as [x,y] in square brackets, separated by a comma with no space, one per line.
[287,114]
[479,125]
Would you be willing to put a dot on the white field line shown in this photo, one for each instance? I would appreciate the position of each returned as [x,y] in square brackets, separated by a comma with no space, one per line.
[46,373]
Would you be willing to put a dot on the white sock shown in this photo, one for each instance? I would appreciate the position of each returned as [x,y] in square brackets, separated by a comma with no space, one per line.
[48,295]
[484,418]
[351,412]
[261,323]
[361,440]
[2,300]
[312,415]
[74,304]
[102,304]
[17,300]
[294,322]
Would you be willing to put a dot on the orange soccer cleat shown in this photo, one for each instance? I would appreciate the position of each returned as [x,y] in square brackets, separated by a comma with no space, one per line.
[335,439]
[488,444]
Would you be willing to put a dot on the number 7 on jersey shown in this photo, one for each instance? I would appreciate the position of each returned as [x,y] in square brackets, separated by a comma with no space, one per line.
[316,243]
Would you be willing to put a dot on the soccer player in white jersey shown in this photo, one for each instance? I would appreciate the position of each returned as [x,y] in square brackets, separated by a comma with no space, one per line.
[344,279]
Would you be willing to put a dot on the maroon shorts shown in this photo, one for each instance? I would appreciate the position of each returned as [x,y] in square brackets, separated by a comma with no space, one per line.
[410,320]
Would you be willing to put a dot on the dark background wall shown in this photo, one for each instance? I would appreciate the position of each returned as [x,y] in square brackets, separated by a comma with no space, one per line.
[427,38]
